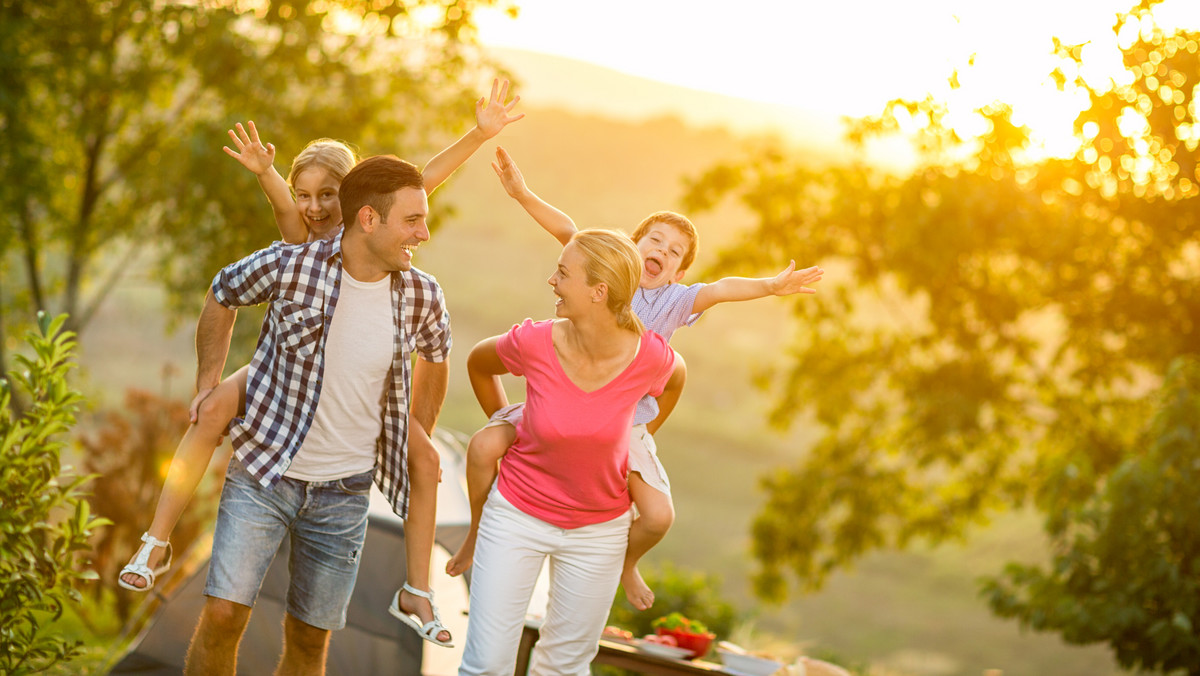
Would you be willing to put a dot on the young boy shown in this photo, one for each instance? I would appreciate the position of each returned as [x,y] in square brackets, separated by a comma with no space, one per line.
[667,242]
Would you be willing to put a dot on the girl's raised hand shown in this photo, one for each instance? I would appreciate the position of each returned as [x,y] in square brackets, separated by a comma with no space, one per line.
[494,117]
[250,151]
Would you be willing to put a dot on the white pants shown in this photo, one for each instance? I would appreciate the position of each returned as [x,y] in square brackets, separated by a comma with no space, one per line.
[585,569]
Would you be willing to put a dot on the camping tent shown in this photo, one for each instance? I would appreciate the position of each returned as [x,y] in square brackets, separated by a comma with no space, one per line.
[373,642]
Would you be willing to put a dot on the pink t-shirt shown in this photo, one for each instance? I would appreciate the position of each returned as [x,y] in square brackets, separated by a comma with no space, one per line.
[568,464]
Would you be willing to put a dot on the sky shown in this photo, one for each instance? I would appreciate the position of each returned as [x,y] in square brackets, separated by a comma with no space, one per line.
[847,57]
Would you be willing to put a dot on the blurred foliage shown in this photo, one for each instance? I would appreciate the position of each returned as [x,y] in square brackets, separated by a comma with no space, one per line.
[130,453]
[693,594]
[1126,566]
[45,520]
[690,593]
[113,114]
[990,326]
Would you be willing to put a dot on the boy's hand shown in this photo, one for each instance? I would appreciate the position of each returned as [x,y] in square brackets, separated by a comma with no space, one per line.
[250,151]
[792,281]
[510,175]
[494,117]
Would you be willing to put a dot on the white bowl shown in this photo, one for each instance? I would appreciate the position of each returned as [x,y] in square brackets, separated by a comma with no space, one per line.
[748,665]
[661,650]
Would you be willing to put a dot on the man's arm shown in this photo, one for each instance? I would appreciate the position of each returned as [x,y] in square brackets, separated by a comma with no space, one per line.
[260,159]
[489,121]
[729,289]
[558,224]
[429,386]
[214,330]
[670,396]
[484,368]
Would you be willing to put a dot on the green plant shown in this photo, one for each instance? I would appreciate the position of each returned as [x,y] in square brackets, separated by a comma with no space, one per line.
[45,521]
[688,594]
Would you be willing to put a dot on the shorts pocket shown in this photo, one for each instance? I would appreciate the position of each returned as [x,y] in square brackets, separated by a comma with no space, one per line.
[299,329]
[358,484]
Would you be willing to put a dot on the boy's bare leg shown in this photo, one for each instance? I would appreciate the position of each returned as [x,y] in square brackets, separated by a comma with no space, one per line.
[192,457]
[484,452]
[656,513]
[420,528]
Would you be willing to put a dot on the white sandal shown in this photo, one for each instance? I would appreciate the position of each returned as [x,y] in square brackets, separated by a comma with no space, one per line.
[138,565]
[430,630]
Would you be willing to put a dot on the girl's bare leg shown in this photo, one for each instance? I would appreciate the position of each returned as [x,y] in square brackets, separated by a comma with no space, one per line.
[656,513]
[192,457]
[424,469]
[484,452]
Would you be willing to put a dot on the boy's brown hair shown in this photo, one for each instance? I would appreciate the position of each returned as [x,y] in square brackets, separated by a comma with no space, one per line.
[681,223]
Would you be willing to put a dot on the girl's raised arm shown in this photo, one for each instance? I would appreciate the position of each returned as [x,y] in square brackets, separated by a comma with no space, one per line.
[259,158]
[490,119]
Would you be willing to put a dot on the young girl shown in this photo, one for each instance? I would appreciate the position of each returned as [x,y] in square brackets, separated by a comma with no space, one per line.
[667,243]
[314,178]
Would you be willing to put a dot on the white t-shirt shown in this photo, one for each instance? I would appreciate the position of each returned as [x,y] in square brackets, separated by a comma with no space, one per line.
[358,357]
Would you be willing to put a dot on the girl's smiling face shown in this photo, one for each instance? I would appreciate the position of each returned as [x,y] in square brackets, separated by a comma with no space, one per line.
[317,200]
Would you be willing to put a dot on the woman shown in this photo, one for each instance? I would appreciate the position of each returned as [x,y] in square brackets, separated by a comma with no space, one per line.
[561,492]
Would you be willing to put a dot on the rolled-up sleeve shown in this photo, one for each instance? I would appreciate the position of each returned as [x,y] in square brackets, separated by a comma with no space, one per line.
[250,281]
[433,338]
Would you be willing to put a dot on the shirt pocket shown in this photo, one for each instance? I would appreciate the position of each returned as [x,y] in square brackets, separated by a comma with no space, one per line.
[300,329]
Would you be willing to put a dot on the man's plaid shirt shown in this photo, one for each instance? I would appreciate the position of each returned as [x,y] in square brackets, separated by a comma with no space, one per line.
[301,284]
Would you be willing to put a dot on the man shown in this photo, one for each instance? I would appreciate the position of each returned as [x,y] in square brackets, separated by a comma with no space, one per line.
[327,410]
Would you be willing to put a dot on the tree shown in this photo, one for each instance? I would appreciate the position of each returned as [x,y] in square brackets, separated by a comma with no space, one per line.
[113,115]
[45,521]
[1126,566]
[991,324]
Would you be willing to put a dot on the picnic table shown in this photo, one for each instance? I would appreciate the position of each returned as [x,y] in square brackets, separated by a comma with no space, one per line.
[620,654]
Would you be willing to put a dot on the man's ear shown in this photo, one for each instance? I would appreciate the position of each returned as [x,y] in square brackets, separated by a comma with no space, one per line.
[367,218]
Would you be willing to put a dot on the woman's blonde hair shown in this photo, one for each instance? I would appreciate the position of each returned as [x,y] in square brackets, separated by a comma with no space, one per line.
[334,156]
[611,257]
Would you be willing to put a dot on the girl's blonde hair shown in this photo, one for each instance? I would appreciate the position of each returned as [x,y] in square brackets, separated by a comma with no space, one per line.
[332,155]
[611,257]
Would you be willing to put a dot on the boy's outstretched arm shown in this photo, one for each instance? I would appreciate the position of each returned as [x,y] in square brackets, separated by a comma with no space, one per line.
[670,395]
[490,120]
[260,159]
[786,283]
[553,221]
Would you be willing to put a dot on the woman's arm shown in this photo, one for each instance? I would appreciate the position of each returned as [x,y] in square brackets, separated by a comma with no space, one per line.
[489,121]
[558,224]
[484,369]
[729,289]
[670,396]
[259,158]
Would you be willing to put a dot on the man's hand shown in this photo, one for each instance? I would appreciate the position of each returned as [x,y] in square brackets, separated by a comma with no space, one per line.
[494,116]
[792,281]
[250,151]
[194,409]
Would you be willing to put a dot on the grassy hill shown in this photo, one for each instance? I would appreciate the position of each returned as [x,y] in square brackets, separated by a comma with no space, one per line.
[913,613]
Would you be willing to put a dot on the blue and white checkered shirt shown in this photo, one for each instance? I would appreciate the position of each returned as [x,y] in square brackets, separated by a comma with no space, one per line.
[301,284]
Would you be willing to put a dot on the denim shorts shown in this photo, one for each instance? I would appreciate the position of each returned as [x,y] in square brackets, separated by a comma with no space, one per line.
[327,524]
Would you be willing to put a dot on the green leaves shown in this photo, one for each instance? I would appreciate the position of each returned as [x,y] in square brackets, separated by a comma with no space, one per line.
[986,338]
[45,521]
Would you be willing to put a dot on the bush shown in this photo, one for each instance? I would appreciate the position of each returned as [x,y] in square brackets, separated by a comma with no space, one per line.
[45,521]
[692,594]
